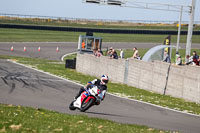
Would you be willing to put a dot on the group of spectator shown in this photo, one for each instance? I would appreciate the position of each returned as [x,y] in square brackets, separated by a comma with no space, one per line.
[97,52]
[193,60]
[111,53]
[190,60]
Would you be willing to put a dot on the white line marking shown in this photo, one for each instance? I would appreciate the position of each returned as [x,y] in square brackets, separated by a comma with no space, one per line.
[62,58]
[158,106]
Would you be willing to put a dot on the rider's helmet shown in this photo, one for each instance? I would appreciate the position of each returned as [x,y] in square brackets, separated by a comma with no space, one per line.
[104,79]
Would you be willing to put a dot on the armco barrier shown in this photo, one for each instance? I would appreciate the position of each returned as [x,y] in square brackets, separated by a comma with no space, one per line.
[97,30]
[183,81]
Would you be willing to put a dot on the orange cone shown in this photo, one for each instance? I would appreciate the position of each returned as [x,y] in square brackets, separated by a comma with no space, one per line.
[57,49]
[24,49]
[12,48]
[39,49]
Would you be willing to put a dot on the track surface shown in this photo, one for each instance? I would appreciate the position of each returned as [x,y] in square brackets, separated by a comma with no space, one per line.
[24,86]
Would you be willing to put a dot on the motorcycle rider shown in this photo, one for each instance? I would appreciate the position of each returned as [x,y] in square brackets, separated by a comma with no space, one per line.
[101,83]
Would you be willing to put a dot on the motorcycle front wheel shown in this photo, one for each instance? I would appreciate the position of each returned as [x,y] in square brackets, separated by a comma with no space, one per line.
[71,106]
[87,105]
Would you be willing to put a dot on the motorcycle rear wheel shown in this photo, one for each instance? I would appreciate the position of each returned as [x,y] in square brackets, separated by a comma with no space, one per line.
[86,106]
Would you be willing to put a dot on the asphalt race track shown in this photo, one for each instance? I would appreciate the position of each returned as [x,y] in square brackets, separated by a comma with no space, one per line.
[23,86]
[48,50]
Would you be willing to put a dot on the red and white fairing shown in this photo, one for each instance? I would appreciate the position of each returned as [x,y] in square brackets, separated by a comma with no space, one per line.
[94,92]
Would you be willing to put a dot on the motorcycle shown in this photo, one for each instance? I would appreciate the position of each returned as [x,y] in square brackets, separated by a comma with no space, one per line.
[87,99]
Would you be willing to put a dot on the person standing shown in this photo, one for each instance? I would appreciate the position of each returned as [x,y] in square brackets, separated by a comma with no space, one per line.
[114,54]
[121,53]
[166,57]
[195,58]
[83,44]
[99,53]
[109,53]
[178,59]
[136,53]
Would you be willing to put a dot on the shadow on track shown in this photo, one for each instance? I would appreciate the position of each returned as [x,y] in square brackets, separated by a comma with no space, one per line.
[105,114]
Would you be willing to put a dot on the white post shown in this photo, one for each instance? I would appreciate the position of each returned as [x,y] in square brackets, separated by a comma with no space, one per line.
[179,29]
[190,29]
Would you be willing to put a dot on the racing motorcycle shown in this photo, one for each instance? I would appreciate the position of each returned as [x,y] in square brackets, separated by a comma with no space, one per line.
[87,99]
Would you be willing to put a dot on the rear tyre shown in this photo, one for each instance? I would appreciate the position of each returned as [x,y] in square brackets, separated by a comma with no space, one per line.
[71,106]
[86,106]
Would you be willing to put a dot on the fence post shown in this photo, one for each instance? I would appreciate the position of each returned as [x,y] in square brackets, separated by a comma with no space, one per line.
[126,71]
[167,77]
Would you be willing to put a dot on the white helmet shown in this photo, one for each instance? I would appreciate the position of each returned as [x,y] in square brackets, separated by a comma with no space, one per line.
[104,79]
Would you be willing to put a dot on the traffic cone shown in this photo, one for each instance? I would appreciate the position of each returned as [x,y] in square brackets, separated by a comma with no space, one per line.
[57,49]
[12,48]
[24,49]
[39,49]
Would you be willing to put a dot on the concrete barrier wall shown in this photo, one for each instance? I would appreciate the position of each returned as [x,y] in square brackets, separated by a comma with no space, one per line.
[148,76]
[183,81]
[97,66]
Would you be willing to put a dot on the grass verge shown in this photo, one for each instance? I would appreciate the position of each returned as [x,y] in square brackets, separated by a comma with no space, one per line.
[24,119]
[87,24]
[25,35]
[116,88]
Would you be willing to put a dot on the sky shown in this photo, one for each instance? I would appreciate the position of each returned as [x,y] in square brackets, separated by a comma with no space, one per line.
[78,9]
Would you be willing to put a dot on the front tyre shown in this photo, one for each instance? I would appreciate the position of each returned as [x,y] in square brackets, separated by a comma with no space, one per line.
[71,106]
[87,105]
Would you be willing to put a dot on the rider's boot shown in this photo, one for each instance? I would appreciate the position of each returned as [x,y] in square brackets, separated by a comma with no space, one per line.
[81,90]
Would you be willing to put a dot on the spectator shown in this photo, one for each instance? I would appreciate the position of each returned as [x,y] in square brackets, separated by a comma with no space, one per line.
[83,44]
[99,53]
[199,61]
[189,60]
[95,52]
[99,50]
[178,59]
[114,54]
[136,53]
[109,53]
[121,53]
[166,57]
[195,58]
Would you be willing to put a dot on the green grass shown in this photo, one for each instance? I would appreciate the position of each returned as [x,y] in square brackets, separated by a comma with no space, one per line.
[72,56]
[128,53]
[135,93]
[25,35]
[30,120]
[114,25]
